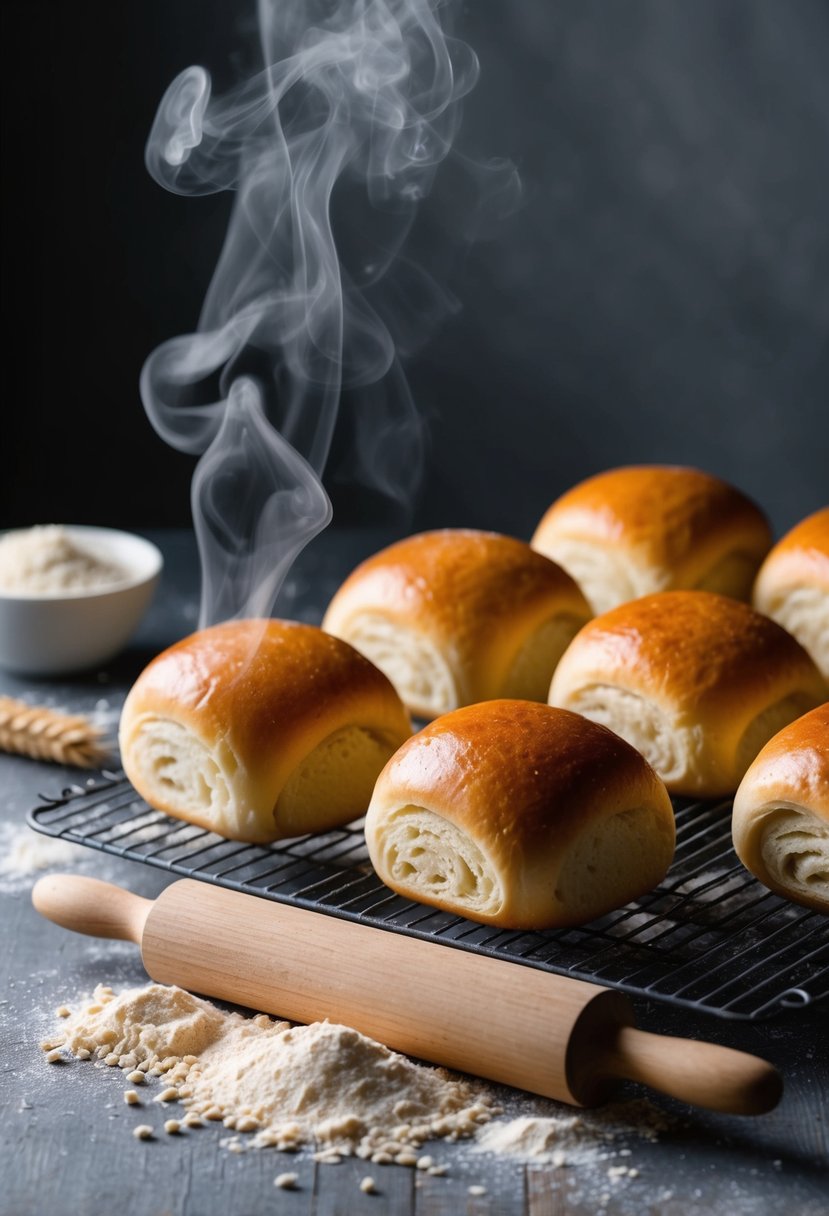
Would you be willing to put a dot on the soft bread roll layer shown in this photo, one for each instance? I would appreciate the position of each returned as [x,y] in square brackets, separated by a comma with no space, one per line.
[646,727]
[411,660]
[780,823]
[636,530]
[792,586]
[519,815]
[458,616]
[260,729]
[696,682]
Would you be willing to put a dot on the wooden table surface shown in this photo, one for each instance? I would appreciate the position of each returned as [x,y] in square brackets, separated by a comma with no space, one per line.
[67,1144]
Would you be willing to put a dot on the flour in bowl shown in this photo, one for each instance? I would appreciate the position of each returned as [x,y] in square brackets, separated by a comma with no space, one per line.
[47,560]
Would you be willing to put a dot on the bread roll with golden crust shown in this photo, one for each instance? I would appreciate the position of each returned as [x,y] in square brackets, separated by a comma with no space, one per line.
[260,729]
[458,616]
[633,531]
[519,815]
[793,586]
[780,823]
[696,682]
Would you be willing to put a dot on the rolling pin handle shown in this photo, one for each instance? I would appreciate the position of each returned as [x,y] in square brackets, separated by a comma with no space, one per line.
[703,1074]
[87,905]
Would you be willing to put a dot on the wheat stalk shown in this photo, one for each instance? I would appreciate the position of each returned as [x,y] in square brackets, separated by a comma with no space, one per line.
[46,734]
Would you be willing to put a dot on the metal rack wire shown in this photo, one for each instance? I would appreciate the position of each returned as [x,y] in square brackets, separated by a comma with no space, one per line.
[709,937]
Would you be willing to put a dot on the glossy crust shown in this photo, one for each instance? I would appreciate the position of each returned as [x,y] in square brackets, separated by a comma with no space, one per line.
[699,682]
[519,815]
[219,725]
[780,823]
[792,586]
[455,613]
[635,530]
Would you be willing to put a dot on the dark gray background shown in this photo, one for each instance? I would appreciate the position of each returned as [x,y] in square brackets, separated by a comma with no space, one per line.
[662,293]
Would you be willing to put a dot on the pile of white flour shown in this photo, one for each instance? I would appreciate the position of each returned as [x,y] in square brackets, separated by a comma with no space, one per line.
[324,1086]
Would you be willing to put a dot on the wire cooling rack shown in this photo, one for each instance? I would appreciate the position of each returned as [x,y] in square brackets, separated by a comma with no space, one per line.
[709,937]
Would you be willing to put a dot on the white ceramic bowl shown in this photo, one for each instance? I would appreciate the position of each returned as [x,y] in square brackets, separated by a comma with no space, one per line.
[53,634]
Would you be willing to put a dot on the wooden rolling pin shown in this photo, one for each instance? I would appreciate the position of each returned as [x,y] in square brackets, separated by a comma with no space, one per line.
[554,1036]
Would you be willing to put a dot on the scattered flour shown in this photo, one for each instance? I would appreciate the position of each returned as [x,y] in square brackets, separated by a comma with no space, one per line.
[327,1087]
[46,560]
[24,853]
[572,1139]
[552,1139]
[323,1084]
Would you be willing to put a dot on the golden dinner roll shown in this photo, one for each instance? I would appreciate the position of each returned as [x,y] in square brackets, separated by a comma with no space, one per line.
[458,616]
[260,729]
[697,682]
[519,815]
[792,586]
[632,531]
[780,823]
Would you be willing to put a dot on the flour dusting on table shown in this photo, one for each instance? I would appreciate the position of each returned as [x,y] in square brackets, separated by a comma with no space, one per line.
[570,1139]
[24,854]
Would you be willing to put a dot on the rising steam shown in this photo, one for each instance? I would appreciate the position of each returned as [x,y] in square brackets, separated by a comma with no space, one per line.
[328,148]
